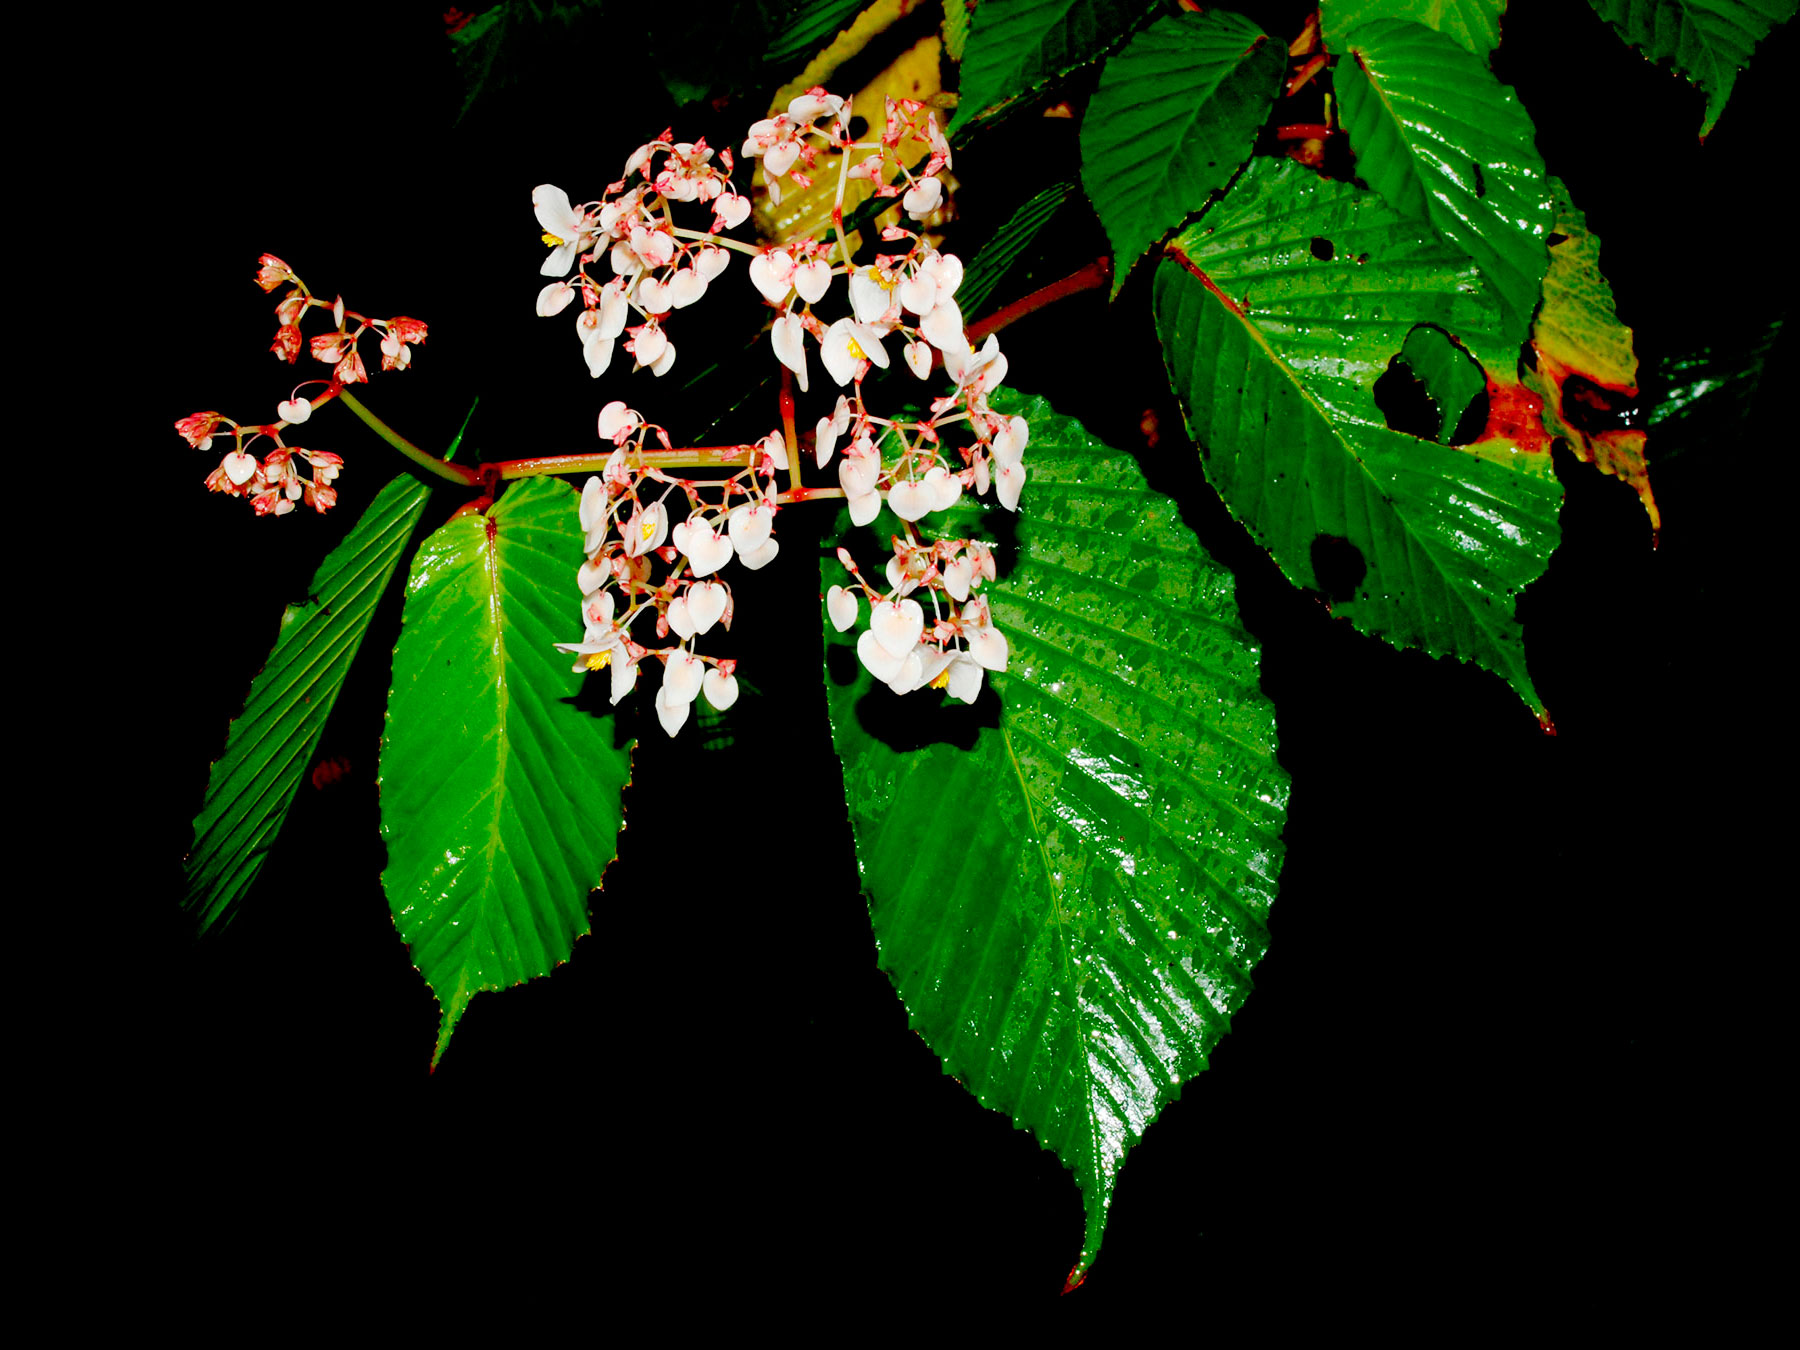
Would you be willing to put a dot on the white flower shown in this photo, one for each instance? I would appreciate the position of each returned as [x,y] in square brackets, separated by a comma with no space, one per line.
[568,232]
[847,344]
[923,199]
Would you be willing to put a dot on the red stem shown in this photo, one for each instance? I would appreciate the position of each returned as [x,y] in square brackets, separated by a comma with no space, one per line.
[1094,276]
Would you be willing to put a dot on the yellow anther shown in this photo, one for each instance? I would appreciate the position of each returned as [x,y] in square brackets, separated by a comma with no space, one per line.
[943,679]
[598,660]
[648,528]
[552,240]
[856,350]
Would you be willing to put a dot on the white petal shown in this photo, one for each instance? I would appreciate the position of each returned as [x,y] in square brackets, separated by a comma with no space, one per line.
[988,646]
[910,501]
[721,690]
[865,508]
[957,574]
[614,417]
[946,488]
[554,299]
[682,677]
[897,624]
[672,712]
[240,468]
[943,327]
[768,279]
[779,158]
[1008,484]
[554,212]
[789,338]
[624,676]
[761,556]
[295,410]
[965,678]
[882,663]
[947,270]
[593,503]
[869,298]
[812,280]
[842,607]
[824,441]
[681,618]
[919,293]
[750,524]
[706,602]
[662,363]
[647,344]
[918,359]
[653,296]
[614,311]
[599,356]
[711,261]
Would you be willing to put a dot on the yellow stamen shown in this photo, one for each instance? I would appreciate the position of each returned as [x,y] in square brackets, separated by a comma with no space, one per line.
[552,240]
[943,679]
[856,350]
[648,528]
[598,660]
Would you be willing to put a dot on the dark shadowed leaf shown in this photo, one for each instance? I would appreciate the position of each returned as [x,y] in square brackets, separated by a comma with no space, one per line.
[252,784]
[1707,41]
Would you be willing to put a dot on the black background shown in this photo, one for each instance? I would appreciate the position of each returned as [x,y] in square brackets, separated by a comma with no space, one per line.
[1502,1061]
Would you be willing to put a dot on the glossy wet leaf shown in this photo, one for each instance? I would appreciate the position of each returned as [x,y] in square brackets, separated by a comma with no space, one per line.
[270,744]
[1712,393]
[1706,41]
[1069,881]
[1176,113]
[1473,24]
[499,797]
[1004,247]
[1445,142]
[1451,377]
[1278,310]
[1584,366]
[1018,46]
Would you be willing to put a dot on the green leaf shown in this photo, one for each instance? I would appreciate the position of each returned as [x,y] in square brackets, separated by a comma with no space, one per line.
[499,797]
[801,29]
[957,22]
[1713,392]
[1452,378]
[1706,41]
[1473,24]
[1176,113]
[1002,250]
[1444,141]
[1583,364]
[1069,882]
[1018,46]
[1278,310]
[253,783]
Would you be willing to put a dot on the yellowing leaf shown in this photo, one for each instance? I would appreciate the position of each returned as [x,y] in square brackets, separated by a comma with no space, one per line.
[1586,368]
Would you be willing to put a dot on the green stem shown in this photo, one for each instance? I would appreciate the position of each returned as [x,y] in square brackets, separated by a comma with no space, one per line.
[453,473]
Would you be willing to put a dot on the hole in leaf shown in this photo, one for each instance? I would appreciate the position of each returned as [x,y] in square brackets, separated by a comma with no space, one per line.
[1554,239]
[1322,249]
[1432,389]
[1480,179]
[1405,404]
[859,127]
[1593,409]
[1338,566]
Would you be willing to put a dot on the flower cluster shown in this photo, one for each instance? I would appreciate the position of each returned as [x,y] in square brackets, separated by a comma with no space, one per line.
[657,267]
[897,647]
[908,296]
[627,530]
[274,484]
